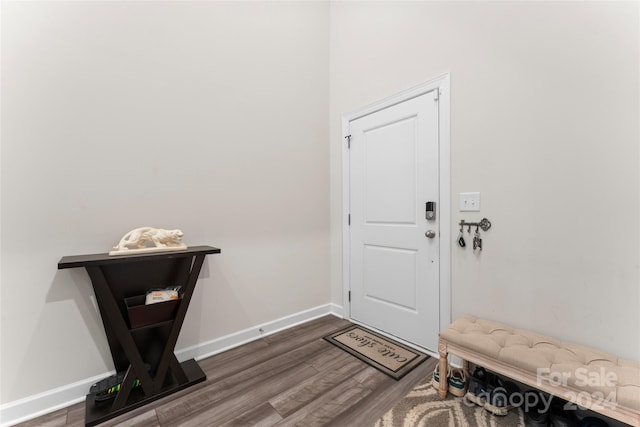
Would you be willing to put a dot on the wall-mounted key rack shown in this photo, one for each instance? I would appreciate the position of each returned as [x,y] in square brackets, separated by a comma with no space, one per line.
[484,224]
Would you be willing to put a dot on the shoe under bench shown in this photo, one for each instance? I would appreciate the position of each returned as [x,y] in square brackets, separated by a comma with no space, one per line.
[590,378]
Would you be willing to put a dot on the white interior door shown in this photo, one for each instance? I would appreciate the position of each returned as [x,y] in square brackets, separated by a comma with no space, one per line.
[394,265]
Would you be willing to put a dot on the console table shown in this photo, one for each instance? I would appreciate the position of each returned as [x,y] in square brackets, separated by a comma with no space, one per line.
[144,352]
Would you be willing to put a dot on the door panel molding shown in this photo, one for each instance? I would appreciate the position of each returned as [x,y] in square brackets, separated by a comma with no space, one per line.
[441,88]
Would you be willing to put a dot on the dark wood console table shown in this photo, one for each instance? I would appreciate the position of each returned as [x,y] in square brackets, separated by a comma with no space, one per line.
[145,352]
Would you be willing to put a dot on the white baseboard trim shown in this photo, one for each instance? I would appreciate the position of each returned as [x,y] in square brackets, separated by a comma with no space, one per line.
[46,402]
[218,345]
[337,310]
[49,401]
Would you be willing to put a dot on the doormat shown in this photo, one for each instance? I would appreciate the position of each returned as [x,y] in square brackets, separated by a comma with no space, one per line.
[384,354]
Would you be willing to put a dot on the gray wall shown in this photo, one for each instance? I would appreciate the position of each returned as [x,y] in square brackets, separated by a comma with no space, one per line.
[205,116]
[545,125]
[223,119]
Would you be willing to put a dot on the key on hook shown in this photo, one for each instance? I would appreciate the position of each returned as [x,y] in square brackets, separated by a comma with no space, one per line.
[477,241]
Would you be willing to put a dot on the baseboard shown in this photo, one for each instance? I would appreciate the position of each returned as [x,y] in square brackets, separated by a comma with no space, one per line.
[337,310]
[46,402]
[218,345]
[49,401]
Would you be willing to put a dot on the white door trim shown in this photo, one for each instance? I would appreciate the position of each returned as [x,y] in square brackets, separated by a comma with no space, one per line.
[442,83]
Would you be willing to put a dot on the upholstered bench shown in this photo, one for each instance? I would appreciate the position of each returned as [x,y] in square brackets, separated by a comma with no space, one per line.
[589,378]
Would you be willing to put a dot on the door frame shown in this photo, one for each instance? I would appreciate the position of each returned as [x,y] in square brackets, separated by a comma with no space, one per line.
[442,84]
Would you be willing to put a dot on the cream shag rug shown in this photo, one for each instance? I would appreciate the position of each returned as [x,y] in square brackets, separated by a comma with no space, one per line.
[423,407]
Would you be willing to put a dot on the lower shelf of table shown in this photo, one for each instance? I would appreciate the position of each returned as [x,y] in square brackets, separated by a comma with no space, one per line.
[101,412]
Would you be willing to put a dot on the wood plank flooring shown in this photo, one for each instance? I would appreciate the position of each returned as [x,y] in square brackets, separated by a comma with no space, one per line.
[291,378]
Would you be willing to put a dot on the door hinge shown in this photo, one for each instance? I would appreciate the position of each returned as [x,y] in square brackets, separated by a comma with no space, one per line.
[436,95]
[349,219]
[349,296]
[348,138]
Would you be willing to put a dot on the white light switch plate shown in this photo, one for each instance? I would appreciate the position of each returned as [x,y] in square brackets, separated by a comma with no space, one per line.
[469,202]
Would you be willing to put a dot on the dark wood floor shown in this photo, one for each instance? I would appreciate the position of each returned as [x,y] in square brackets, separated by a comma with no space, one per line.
[286,379]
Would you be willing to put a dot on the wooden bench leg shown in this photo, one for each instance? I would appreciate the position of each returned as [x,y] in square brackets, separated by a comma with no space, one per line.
[442,368]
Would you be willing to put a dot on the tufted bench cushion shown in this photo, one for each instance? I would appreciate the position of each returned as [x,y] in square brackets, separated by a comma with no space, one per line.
[589,377]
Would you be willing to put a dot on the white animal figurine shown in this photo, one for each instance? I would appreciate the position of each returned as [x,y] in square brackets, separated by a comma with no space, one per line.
[149,239]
